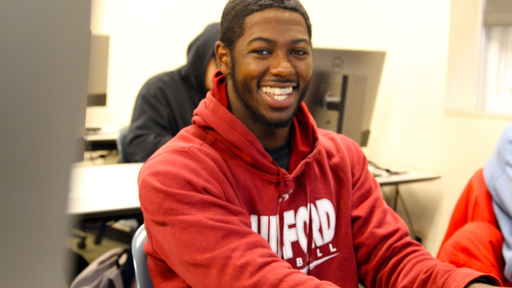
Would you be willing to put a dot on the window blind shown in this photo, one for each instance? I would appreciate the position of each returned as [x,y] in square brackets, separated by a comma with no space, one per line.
[498,13]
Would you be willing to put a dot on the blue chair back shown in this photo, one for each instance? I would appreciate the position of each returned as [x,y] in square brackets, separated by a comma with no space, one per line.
[140,259]
[121,143]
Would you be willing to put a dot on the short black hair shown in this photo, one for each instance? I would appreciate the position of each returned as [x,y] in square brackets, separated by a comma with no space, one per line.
[234,14]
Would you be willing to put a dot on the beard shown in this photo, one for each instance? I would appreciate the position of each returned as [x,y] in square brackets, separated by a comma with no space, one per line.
[243,88]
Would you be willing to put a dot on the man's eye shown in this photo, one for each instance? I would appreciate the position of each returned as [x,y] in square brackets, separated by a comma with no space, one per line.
[300,52]
[262,52]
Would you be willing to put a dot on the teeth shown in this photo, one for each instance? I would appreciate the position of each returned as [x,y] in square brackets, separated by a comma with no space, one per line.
[280,98]
[277,92]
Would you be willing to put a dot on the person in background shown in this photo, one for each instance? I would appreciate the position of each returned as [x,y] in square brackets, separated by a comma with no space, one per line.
[166,101]
[498,178]
[253,194]
[479,235]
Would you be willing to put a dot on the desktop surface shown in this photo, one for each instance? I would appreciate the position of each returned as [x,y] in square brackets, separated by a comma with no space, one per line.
[104,191]
[109,191]
[405,177]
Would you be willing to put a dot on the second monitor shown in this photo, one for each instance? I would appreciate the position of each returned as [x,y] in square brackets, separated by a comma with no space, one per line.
[343,90]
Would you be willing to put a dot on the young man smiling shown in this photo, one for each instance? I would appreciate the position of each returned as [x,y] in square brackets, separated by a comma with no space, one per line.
[268,75]
[253,194]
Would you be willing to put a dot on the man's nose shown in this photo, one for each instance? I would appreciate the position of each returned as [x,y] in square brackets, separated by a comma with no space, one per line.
[281,66]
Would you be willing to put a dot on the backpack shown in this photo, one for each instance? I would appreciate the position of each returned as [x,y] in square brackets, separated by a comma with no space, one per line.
[113,269]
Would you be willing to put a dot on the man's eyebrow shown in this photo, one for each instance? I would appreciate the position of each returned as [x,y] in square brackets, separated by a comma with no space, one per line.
[273,42]
[301,40]
[263,39]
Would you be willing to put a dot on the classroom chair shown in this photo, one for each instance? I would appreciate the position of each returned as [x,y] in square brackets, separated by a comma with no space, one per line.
[140,259]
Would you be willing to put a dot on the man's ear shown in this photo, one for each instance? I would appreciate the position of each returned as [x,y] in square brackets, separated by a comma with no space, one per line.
[223,58]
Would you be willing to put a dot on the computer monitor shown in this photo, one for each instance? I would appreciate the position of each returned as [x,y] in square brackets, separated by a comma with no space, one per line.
[98,70]
[343,90]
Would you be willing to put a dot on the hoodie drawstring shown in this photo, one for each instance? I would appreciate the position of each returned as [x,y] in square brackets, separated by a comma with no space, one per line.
[309,224]
[280,219]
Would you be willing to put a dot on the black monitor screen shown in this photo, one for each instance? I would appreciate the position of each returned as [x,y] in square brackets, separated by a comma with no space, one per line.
[98,70]
[343,90]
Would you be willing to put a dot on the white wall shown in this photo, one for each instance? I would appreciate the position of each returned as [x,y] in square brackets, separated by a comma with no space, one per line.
[147,37]
[410,128]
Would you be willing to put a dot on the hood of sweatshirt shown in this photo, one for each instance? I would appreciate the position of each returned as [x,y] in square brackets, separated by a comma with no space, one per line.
[213,114]
[199,53]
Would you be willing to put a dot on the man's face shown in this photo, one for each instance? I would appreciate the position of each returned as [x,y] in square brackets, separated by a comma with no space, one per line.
[271,69]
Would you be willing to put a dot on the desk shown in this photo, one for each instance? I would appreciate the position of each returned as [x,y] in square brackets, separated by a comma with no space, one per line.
[111,190]
[403,178]
[106,191]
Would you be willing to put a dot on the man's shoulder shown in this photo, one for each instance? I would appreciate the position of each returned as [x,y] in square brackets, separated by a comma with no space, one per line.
[326,136]
[165,85]
[161,79]
[186,156]
[191,143]
[338,146]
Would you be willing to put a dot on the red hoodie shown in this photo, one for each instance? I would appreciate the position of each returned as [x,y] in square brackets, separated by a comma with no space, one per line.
[219,212]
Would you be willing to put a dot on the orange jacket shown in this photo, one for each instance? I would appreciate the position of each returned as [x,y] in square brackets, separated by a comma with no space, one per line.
[473,238]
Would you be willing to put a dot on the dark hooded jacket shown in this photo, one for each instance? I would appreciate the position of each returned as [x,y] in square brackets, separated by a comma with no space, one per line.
[166,101]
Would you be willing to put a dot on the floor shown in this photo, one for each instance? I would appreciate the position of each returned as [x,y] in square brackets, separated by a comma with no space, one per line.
[92,251]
